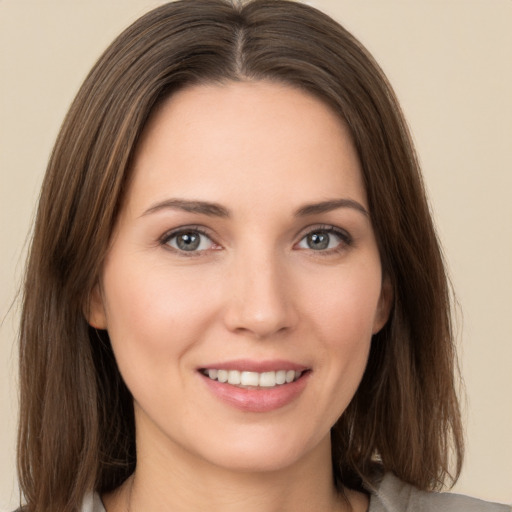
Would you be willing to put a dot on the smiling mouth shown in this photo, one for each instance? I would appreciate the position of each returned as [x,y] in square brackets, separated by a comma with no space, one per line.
[253,380]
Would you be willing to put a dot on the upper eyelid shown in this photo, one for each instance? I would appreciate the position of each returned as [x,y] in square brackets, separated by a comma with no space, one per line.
[323,227]
[176,231]
[346,240]
[203,230]
[164,240]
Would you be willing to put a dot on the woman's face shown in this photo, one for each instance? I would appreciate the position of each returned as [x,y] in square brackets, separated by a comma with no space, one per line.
[244,251]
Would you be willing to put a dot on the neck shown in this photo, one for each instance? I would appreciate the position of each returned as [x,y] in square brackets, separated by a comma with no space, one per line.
[172,478]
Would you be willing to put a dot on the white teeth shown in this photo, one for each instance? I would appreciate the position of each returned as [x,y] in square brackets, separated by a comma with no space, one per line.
[281,377]
[253,379]
[222,375]
[249,379]
[233,377]
[268,379]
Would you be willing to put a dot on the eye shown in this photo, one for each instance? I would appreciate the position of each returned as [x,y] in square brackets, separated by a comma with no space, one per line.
[325,239]
[189,240]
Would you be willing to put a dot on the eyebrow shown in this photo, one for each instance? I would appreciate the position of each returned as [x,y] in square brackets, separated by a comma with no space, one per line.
[201,207]
[216,210]
[327,206]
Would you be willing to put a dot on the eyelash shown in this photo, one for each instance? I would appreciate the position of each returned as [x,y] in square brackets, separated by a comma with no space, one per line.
[345,239]
[168,236]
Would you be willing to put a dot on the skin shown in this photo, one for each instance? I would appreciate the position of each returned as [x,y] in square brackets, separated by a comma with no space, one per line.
[254,289]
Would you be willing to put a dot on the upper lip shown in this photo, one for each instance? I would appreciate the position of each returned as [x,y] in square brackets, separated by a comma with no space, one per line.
[248,365]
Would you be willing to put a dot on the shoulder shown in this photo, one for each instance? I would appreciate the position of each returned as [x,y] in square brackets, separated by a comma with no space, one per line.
[92,503]
[393,495]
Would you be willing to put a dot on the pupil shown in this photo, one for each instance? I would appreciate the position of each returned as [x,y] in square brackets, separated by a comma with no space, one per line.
[318,241]
[188,241]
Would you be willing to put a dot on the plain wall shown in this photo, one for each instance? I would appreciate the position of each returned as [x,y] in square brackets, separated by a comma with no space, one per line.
[450,62]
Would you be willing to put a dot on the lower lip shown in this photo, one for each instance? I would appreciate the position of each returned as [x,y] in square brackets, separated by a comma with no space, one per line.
[257,399]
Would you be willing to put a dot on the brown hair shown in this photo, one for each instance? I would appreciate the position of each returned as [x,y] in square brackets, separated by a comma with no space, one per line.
[76,426]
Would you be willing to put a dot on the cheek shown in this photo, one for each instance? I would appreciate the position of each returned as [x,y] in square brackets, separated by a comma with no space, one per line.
[346,305]
[343,318]
[153,314]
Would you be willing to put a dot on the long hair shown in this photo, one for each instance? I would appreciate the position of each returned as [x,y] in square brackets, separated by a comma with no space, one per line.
[76,430]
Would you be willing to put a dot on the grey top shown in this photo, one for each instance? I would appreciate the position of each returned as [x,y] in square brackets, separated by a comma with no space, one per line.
[391,495]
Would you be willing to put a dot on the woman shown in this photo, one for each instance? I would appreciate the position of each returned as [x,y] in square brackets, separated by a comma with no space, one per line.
[235,295]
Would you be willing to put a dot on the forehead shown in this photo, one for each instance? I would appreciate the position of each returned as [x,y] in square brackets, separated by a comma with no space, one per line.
[246,140]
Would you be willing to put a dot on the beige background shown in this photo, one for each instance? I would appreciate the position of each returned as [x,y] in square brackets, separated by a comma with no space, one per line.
[451,64]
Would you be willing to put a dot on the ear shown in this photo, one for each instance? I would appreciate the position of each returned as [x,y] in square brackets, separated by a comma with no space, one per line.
[95,313]
[384,305]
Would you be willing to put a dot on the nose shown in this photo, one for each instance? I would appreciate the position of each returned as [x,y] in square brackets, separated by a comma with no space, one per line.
[260,297]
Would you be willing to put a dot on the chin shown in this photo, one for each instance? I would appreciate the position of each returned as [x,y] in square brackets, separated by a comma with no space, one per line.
[263,452]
